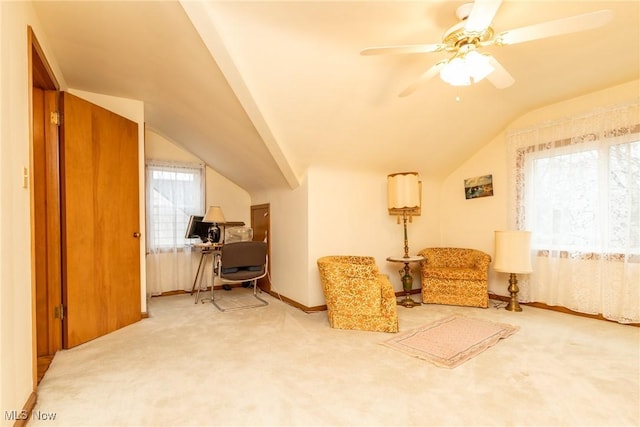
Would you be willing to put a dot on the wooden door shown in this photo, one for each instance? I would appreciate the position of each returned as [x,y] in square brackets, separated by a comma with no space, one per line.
[100,221]
[45,231]
[261,225]
[46,219]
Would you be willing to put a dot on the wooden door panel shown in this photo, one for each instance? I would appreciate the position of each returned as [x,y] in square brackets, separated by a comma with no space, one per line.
[52,213]
[101,270]
[38,182]
[260,223]
[46,210]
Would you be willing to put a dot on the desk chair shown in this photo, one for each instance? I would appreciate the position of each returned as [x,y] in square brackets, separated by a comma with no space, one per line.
[241,262]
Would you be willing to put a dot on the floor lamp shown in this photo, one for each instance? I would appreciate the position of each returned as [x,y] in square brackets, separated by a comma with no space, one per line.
[513,256]
[404,199]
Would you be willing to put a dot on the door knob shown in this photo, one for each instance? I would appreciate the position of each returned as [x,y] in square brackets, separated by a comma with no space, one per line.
[136,234]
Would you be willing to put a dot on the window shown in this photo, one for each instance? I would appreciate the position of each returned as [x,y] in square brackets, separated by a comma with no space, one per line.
[584,197]
[174,193]
[575,184]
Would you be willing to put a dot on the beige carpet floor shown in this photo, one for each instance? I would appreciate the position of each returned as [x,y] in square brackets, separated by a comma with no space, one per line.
[191,365]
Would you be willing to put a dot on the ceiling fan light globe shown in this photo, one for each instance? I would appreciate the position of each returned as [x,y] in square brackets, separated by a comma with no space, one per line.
[455,72]
[478,65]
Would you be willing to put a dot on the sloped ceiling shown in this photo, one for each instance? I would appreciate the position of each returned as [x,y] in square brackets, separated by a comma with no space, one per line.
[262,90]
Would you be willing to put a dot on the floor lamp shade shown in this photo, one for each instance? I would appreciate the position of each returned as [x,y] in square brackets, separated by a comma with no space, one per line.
[512,251]
[403,191]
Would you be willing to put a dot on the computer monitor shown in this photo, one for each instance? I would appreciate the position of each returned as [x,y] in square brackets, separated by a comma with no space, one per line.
[196,229]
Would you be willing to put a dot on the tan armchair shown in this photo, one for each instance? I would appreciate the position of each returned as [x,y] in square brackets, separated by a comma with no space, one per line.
[455,276]
[357,295]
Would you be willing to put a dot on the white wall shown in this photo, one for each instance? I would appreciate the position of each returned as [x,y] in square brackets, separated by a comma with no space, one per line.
[219,191]
[345,211]
[16,286]
[348,216]
[340,212]
[288,240]
[471,223]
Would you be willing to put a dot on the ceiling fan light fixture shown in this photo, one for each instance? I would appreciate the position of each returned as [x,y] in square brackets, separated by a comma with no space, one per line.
[478,65]
[474,31]
[462,70]
[455,72]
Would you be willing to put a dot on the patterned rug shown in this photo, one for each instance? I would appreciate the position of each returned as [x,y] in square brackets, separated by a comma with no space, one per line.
[451,341]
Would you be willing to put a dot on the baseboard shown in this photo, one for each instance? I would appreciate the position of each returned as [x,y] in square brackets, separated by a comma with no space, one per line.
[323,307]
[275,295]
[559,309]
[297,304]
[23,416]
[417,291]
[413,292]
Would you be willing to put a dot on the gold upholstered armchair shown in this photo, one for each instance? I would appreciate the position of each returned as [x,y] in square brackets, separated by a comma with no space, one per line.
[455,276]
[357,295]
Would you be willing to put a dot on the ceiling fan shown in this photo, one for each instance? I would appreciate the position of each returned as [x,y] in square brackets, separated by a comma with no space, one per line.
[465,40]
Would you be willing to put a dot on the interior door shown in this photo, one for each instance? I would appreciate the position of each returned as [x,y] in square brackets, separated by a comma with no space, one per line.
[100,220]
[260,223]
[46,210]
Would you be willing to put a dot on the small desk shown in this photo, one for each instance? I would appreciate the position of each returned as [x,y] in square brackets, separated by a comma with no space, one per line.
[207,250]
[406,278]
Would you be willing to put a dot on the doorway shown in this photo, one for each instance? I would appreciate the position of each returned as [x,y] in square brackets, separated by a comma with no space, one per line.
[46,217]
[85,217]
[261,225]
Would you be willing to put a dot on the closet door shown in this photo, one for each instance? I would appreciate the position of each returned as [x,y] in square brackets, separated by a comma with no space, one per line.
[261,225]
[100,221]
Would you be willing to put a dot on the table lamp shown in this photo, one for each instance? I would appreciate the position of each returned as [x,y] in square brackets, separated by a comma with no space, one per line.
[513,256]
[214,216]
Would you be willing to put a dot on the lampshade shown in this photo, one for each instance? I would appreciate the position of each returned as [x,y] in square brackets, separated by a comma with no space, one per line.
[461,69]
[513,251]
[214,215]
[403,191]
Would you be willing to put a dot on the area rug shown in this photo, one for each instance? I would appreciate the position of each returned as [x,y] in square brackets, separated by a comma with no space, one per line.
[451,341]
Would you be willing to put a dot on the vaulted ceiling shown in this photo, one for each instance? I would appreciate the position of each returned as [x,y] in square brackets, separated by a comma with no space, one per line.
[261,90]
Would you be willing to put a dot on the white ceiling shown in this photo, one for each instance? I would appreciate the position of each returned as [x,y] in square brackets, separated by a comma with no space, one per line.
[262,90]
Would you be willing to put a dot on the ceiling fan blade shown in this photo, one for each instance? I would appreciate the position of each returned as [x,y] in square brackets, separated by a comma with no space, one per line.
[499,77]
[558,27]
[427,75]
[481,15]
[410,48]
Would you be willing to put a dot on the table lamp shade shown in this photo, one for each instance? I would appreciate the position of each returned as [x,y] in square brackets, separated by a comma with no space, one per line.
[403,190]
[512,251]
[214,215]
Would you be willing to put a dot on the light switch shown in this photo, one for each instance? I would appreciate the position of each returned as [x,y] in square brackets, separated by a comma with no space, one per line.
[25,177]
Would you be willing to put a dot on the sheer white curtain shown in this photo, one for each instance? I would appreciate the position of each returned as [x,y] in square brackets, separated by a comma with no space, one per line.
[575,184]
[174,193]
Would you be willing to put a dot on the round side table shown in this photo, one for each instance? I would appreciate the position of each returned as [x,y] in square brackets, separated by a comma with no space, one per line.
[406,278]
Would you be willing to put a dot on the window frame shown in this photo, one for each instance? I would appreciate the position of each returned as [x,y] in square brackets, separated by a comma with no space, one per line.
[527,155]
[179,242]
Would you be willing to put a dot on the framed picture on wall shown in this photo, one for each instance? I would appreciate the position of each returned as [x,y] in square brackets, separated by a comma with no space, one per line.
[480,186]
